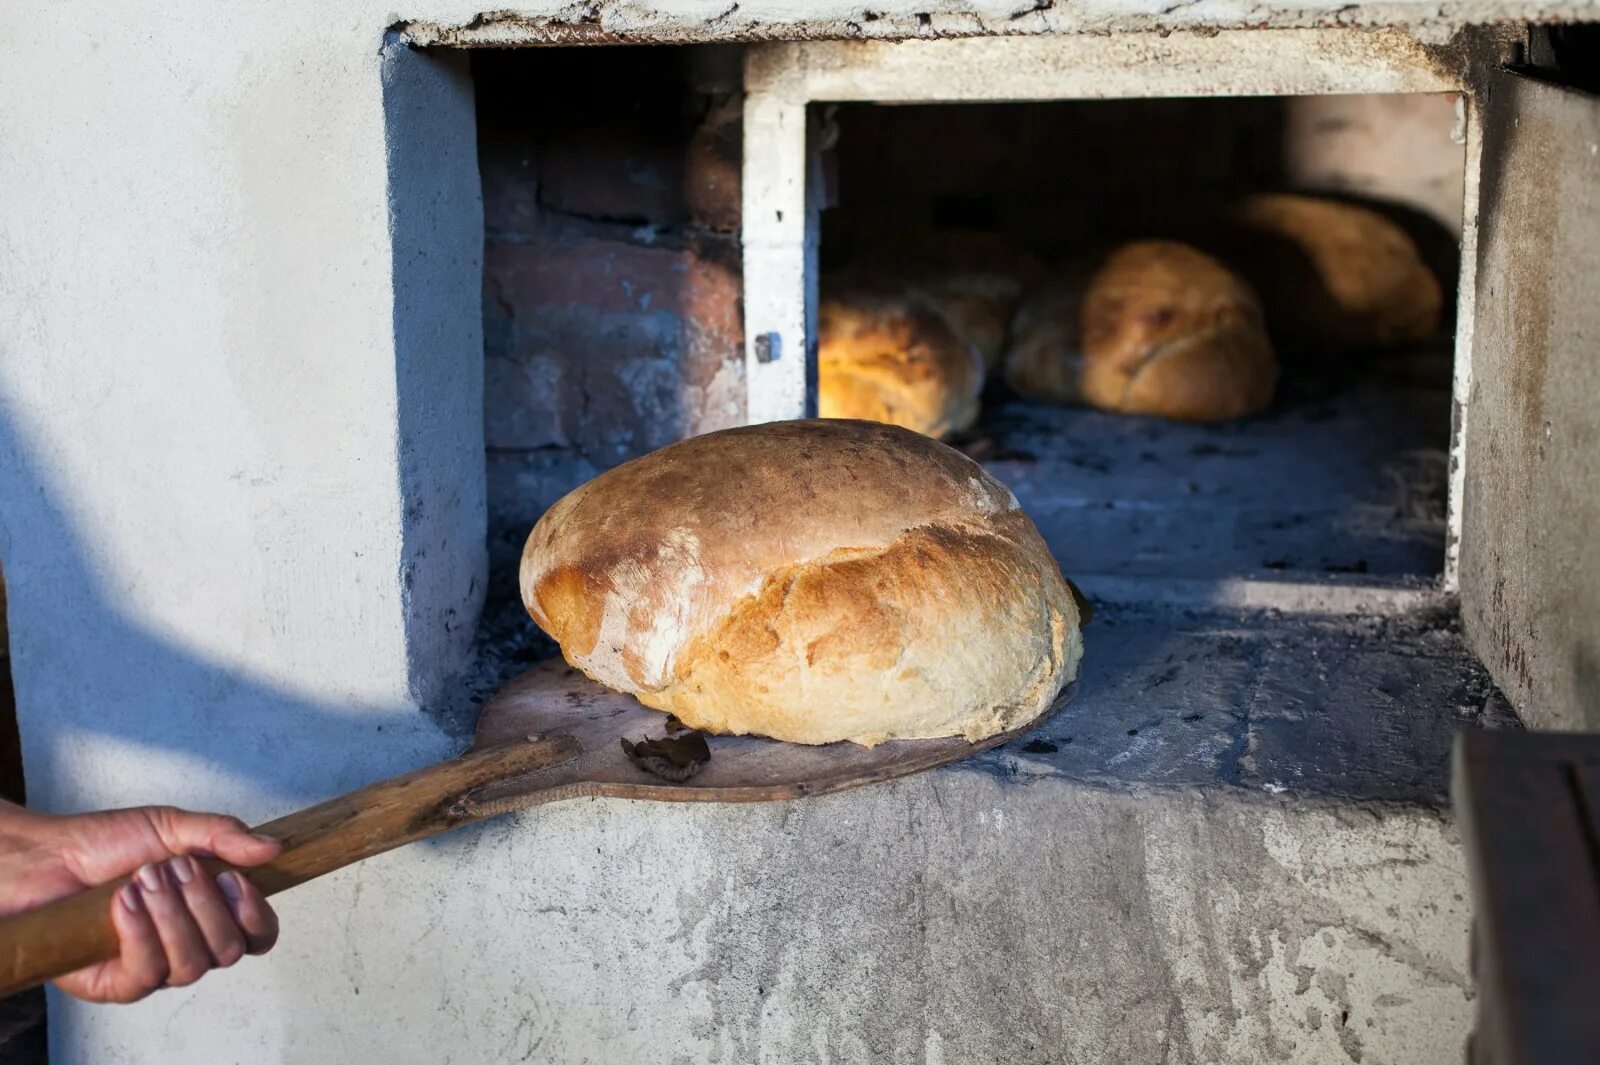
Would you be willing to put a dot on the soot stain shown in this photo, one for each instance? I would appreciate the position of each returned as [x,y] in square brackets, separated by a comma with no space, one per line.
[674,758]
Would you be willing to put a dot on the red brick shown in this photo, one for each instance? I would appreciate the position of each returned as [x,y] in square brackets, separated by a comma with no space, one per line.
[711,307]
[614,347]
[510,185]
[713,168]
[613,173]
[523,406]
[598,275]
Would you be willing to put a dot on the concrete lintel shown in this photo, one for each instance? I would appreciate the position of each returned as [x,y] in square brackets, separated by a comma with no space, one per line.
[999,69]
[546,22]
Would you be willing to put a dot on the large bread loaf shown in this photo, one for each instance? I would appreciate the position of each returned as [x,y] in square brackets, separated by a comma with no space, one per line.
[1152,327]
[884,354]
[1334,276]
[811,581]
[972,278]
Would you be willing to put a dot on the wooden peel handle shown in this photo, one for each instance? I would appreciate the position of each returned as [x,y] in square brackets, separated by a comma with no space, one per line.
[74,932]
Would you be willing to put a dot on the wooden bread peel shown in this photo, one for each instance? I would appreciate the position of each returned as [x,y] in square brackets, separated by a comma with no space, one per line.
[549,735]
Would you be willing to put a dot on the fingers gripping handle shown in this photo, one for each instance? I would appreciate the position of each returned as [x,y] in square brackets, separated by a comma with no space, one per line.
[75,932]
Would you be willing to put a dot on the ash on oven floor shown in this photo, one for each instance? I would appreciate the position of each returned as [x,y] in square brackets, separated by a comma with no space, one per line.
[1358,709]
[1338,477]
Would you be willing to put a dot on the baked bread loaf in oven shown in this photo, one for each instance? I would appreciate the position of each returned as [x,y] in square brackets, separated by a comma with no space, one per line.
[1334,276]
[971,277]
[812,581]
[885,355]
[1153,327]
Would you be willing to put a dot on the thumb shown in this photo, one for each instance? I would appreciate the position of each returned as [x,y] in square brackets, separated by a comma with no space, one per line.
[185,832]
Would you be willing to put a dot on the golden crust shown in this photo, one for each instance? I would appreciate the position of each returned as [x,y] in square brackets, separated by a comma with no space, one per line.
[973,279]
[1336,276]
[1155,327]
[812,581]
[883,355]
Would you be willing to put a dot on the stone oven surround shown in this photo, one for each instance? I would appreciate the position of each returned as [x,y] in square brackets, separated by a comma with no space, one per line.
[242,517]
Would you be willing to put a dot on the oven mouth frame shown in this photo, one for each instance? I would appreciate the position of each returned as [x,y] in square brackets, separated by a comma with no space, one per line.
[783,186]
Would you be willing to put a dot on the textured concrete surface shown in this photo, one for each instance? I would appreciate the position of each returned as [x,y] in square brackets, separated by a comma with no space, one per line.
[1213,854]
[1144,64]
[929,921]
[235,521]
[762,20]
[1530,556]
[246,449]
[436,202]
[1361,709]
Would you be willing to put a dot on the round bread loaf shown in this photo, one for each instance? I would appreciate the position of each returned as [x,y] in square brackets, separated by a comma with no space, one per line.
[974,279]
[1154,327]
[1334,276]
[884,355]
[812,581]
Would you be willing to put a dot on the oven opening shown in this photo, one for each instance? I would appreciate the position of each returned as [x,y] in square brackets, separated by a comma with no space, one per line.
[1273,610]
[611,293]
[1339,478]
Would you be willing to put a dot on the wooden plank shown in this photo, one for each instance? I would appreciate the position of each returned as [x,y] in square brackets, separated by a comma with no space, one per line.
[1529,836]
[555,698]
[552,734]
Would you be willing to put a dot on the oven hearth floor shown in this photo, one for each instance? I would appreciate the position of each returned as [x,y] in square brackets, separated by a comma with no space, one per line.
[1337,709]
[1340,479]
[1355,709]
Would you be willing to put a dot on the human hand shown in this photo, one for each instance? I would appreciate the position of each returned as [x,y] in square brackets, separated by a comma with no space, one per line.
[174,922]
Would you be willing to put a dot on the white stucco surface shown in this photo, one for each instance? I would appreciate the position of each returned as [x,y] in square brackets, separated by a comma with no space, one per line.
[208,508]
[232,392]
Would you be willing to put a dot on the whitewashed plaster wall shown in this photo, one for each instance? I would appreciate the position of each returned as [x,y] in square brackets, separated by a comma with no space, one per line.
[240,502]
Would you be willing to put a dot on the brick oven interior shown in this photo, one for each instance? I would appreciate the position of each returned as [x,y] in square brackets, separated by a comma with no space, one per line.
[611,293]
[1344,475]
[1272,616]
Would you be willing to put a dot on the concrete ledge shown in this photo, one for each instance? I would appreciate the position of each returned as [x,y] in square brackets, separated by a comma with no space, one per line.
[1230,847]
[1354,710]
[1299,593]
[958,917]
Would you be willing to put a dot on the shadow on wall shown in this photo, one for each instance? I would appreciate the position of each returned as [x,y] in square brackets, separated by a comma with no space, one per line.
[114,711]
[11,785]
[111,713]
